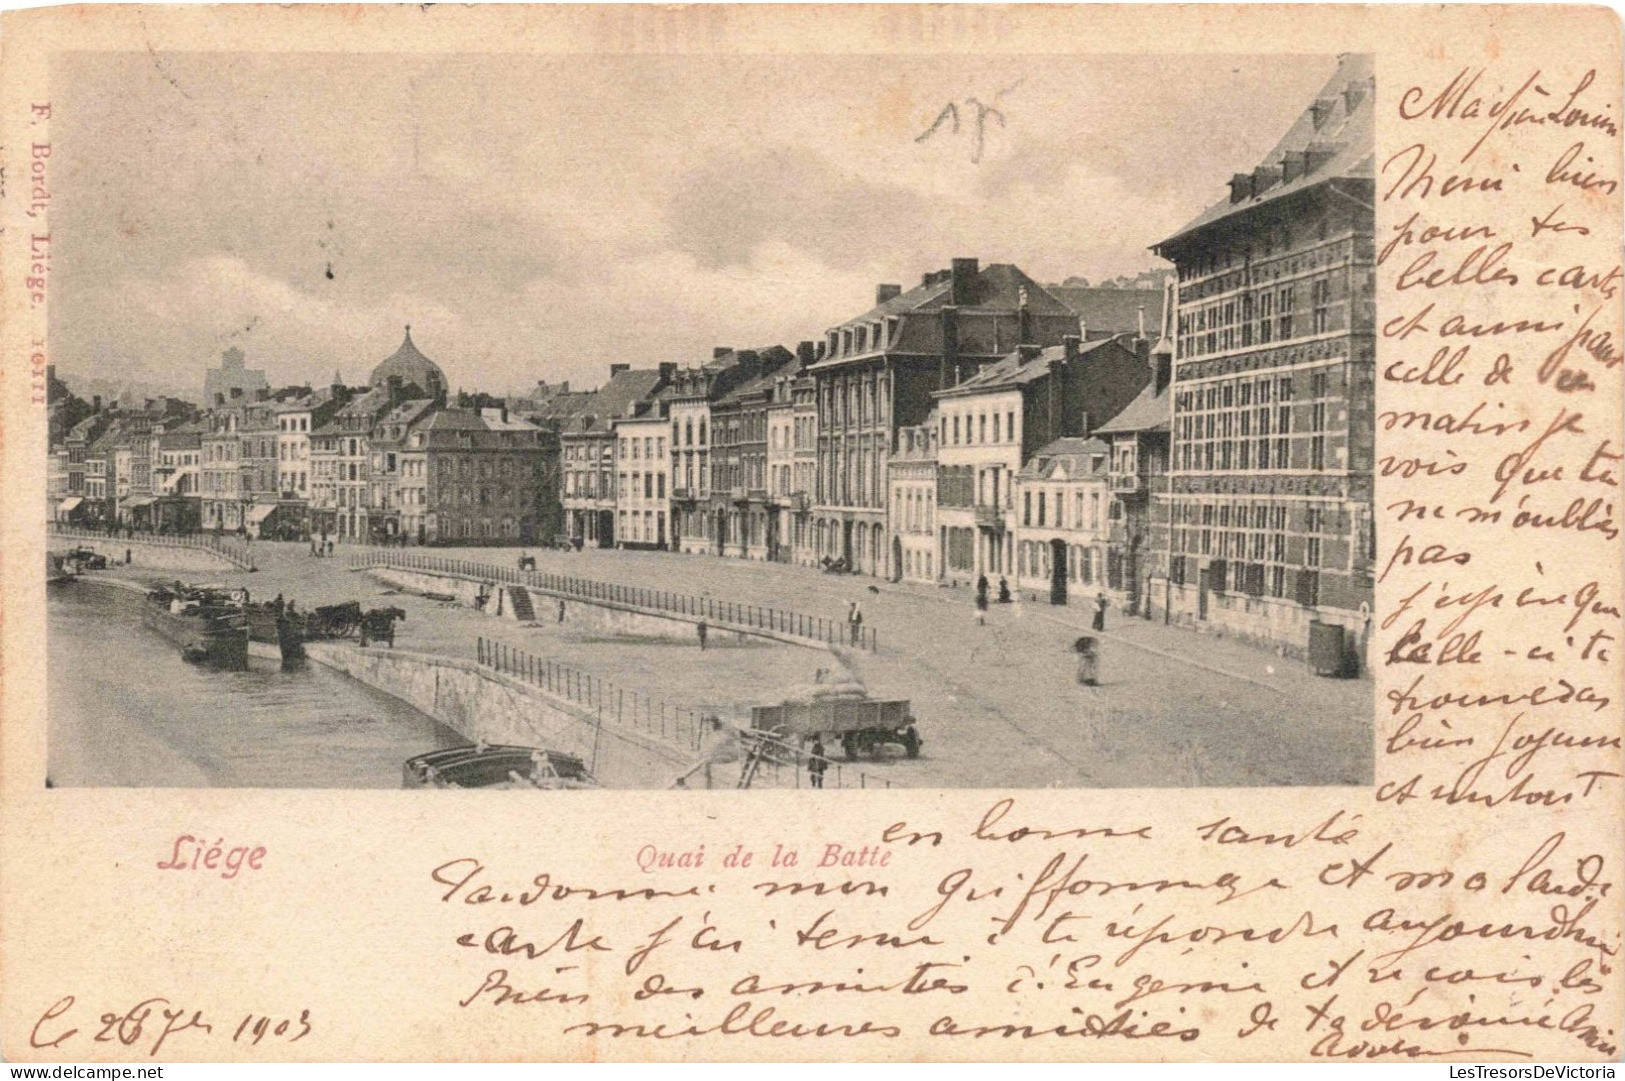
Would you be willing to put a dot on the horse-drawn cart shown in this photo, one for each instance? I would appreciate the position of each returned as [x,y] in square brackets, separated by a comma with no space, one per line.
[862,724]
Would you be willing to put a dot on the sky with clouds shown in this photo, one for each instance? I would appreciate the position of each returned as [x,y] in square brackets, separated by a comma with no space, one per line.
[542,218]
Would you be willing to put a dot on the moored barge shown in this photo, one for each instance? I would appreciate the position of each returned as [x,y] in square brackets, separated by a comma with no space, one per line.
[209,625]
[496,765]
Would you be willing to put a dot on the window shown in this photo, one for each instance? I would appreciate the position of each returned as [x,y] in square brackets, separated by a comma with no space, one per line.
[1321,298]
[1284,318]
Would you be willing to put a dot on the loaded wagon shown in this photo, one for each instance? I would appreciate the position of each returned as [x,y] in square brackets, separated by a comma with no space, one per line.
[85,559]
[861,724]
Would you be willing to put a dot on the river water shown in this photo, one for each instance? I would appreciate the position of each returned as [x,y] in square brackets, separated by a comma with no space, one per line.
[126,710]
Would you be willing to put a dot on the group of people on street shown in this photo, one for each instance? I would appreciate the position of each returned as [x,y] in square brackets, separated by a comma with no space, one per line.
[1098,621]
[982,595]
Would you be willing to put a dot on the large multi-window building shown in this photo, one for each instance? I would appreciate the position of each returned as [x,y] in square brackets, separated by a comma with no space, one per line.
[1273,393]
[878,373]
[994,423]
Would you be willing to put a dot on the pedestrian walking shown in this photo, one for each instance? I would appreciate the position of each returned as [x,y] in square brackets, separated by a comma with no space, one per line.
[817,763]
[329,547]
[981,591]
[854,622]
[1099,623]
[561,609]
[700,627]
[1004,590]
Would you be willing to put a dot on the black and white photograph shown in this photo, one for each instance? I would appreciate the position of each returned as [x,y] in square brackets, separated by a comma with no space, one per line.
[734,422]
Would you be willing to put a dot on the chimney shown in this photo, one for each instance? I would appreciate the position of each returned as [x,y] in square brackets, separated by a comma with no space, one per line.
[948,371]
[1241,187]
[617,369]
[963,276]
[236,392]
[96,403]
[263,394]
[1028,353]
[1083,328]
[822,348]
[806,353]
[1353,94]
[1162,365]
[668,372]
[1291,166]
[1142,320]
[1069,347]
[884,293]
[1265,177]
[720,351]
[1317,154]
[564,387]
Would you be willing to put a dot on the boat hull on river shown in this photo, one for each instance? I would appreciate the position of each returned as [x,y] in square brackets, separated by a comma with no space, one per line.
[207,627]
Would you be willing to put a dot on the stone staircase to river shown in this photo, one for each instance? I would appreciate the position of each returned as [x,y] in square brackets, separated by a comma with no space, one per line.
[519,601]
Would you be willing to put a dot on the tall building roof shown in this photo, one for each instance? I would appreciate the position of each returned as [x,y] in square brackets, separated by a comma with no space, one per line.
[1333,138]
[410,366]
[1075,457]
[997,286]
[1022,366]
[615,399]
[1113,311]
[1150,411]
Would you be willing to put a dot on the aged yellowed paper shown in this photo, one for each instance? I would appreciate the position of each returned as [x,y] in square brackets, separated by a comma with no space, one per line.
[1141,582]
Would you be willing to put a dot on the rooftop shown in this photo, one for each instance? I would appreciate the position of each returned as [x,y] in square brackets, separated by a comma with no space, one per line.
[410,366]
[1022,366]
[1333,138]
[1079,457]
[1150,411]
[1114,311]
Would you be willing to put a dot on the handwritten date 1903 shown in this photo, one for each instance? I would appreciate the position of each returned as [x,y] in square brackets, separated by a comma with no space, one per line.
[149,1024]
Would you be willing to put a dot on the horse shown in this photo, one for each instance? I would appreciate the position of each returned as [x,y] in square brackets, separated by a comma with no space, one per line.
[379,625]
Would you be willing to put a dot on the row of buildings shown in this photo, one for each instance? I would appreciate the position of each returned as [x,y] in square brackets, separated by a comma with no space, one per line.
[1201,453]
[391,462]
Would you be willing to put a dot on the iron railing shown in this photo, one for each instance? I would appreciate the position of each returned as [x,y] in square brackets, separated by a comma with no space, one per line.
[232,550]
[718,614]
[680,726]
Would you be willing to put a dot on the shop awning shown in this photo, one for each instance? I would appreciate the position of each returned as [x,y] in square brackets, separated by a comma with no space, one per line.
[70,504]
[138,501]
[259,512]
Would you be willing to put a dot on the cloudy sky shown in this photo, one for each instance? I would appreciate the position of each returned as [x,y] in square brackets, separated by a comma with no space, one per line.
[542,218]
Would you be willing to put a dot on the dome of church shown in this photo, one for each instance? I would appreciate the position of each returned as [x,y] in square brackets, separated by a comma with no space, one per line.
[411,366]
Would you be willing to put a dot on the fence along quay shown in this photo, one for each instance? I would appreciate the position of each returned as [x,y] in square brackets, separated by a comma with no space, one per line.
[721,615]
[680,726]
[233,551]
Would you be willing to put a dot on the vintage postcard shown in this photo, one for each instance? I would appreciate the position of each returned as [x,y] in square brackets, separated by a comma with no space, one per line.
[852,532]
